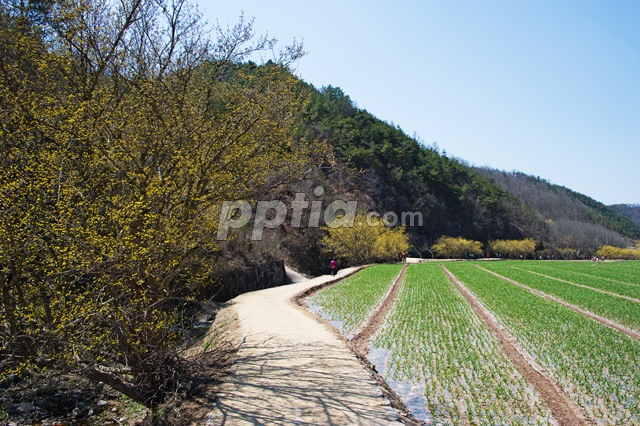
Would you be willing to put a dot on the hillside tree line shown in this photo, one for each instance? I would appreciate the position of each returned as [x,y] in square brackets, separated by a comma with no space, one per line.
[122,126]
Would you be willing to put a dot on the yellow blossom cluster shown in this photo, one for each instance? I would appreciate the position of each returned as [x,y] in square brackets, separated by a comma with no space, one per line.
[121,130]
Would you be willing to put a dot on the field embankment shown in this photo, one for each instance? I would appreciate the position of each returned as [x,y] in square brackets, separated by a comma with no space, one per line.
[292,369]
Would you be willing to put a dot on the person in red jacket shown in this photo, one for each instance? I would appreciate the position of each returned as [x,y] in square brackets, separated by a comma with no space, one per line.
[334,267]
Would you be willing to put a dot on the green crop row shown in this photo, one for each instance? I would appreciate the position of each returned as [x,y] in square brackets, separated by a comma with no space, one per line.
[438,342]
[350,302]
[578,277]
[623,311]
[625,272]
[596,366]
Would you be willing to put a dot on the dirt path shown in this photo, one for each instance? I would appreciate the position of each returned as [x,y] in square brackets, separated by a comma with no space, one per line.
[359,345]
[564,410]
[294,276]
[293,370]
[618,327]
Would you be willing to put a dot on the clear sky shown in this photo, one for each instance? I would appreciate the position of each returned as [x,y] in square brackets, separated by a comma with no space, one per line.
[547,87]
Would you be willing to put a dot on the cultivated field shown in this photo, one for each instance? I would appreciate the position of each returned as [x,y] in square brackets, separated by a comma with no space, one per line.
[434,341]
[350,302]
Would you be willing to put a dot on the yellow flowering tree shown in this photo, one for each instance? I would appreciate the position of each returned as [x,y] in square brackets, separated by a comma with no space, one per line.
[363,239]
[122,127]
[456,247]
[514,248]
[610,252]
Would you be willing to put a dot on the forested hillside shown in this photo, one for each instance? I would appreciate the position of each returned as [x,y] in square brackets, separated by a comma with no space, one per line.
[122,128]
[630,211]
[396,173]
[575,220]
[386,170]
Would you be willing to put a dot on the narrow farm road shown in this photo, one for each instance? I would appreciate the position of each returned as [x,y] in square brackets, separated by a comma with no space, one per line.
[293,370]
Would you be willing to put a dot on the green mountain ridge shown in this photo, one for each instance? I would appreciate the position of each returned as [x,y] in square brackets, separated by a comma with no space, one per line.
[394,172]
[379,166]
[630,211]
[559,203]
[400,174]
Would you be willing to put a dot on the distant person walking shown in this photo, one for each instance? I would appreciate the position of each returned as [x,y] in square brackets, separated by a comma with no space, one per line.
[334,267]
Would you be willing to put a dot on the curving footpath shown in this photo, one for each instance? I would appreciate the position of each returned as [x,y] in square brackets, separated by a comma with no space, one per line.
[293,370]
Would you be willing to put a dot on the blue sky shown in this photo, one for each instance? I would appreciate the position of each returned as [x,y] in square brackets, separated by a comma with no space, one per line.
[549,88]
